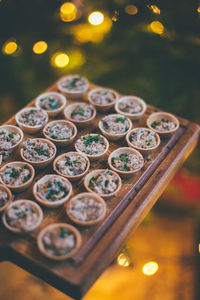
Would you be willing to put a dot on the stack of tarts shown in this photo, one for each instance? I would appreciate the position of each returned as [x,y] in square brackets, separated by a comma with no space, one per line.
[61,241]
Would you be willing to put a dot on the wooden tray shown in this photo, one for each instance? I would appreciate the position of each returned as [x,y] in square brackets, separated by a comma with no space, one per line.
[102,242]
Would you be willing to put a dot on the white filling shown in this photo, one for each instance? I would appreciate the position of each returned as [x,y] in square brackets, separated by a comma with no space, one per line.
[143,138]
[22,216]
[91,144]
[15,176]
[85,209]
[58,241]
[8,138]
[102,96]
[104,183]
[36,150]
[59,131]
[72,164]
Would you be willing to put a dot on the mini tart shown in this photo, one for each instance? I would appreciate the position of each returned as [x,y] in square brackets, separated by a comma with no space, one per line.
[31,119]
[52,190]
[71,165]
[115,126]
[87,144]
[5,197]
[38,152]
[103,98]
[131,106]
[80,113]
[73,86]
[68,240]
[10,137]
[106,183]
[54,131]
[143,139]
[158,119]
[86,209]
[123,156]
[17,175]
[53,103]
[22,216]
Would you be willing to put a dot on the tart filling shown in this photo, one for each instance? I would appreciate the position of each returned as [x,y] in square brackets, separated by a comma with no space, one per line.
[72,164]
[4,198]
[102,96]
[74,84]
[15,176]
[91,144]
[33,117]
[23,215]
[60,131]
[127,162]
[8,138]
[104,183]
[50,103]
[130,106]
[36,150]
[163,125]
[58,241]
[85,208]
[143,138]
[82,112]
[115,124]
[53,189]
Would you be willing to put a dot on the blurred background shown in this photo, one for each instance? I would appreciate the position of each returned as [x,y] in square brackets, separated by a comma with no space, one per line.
[146,48]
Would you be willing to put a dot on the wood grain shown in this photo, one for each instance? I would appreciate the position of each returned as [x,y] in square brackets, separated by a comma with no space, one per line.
[101,243]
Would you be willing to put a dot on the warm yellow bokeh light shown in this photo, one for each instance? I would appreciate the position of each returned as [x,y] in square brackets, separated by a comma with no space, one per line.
[59,60]
[131,9]
[96,18]
[123,260]
[157,27]
[199,247]
[68,12]
[150,268]
[155,9]
[40,47]
[9,47]
[198,9]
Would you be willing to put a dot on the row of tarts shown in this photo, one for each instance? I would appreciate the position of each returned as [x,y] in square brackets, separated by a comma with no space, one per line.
[61,240]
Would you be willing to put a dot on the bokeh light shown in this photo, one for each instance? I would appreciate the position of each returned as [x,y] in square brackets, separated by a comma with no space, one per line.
[85,33]
[198,9]
[150,268]
[59,59]
[155,9]
[68,12]
[123,260]
[131,9]
[40,47]
[157,27]
[96,18]
[9,47]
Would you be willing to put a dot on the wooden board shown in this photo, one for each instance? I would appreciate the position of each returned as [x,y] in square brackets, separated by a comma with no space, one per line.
[124,213]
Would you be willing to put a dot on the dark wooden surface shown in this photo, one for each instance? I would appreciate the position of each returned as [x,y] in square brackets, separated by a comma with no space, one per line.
[102,242]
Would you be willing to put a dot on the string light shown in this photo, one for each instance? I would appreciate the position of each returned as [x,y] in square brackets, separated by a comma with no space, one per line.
[150,268]
[123,260]
[68,12]
[96,18]
[154,9]
[198,9]
[40,47]
[157,27]
[131,9]
[59,59]
[10,47]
